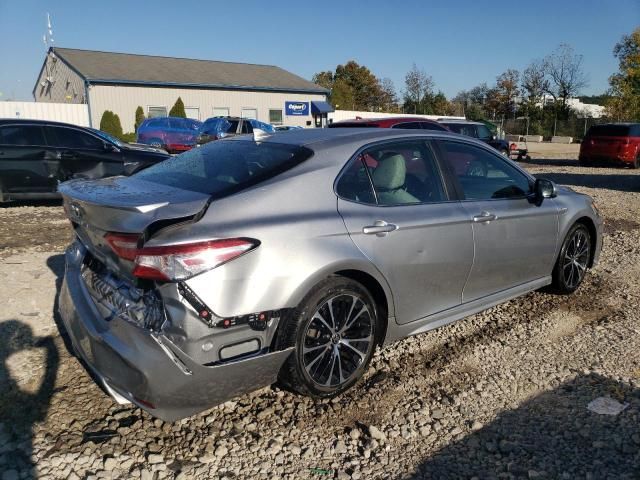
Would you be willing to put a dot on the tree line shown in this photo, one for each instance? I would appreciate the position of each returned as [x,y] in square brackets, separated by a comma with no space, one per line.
[540,93]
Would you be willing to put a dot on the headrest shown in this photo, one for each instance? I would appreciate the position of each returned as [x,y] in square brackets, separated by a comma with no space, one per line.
[391,172]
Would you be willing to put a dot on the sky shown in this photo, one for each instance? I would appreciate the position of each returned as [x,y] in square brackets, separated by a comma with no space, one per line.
[459,43]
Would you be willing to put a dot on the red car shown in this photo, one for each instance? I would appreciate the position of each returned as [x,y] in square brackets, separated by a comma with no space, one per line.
[612,143]
[414,123]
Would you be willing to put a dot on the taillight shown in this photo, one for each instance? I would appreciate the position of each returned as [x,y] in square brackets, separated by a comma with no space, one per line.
[124,244]
[180,262]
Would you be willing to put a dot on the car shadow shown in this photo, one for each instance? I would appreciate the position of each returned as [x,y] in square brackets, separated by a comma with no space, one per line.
[621,183]
[56,265]
[53,202]
[552,435]
[550,162]
[21,408]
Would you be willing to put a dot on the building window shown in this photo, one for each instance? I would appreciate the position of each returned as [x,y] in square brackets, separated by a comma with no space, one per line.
[250,113]
[153,112]
[275,117]
[192,112]
[220,111]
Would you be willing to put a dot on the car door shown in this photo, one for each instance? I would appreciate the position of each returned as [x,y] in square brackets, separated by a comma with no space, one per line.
[25,165]
[398,213]
[515,238]
[82,154]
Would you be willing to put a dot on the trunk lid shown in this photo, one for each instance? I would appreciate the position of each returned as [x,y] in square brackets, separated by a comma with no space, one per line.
[125,205]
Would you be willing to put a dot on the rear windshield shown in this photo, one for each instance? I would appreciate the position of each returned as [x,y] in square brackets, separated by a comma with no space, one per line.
[353,125]
[225,167]
[609,131]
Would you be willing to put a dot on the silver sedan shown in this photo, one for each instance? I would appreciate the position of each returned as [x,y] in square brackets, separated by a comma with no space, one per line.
[290,257]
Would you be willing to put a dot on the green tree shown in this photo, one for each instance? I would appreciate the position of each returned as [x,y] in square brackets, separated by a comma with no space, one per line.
[139,118]
[110,123]
[625,85]
[364,85]
[178,109]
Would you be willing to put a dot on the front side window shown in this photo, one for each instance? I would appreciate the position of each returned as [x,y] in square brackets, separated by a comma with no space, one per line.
[24,135]
[401,172]
[483,175]
[72,138]
[483,132]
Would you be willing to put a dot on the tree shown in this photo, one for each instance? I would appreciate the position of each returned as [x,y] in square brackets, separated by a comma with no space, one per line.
[178,109]
[364,85]
[534,84]
[418,85]
[389,98]
[507,91]
[324,79]
[625,85]
[139,118]
[110,123]
[566,77]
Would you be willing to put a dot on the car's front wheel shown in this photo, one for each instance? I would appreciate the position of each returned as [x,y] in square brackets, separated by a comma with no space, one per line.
[573,261]
[334,334]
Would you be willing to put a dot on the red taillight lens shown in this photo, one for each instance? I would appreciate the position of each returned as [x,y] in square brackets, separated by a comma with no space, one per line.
[125,245]
[180,262]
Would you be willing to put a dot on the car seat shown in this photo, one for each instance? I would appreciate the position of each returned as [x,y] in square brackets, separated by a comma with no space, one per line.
[389,179]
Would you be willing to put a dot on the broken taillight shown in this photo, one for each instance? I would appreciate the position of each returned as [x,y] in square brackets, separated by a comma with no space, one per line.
[177,262]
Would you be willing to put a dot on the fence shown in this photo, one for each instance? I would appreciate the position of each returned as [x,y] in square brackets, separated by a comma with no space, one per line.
[76,114]
[572,127]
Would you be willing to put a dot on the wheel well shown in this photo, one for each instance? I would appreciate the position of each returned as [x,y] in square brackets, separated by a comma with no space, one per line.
[587,222]
[376,290]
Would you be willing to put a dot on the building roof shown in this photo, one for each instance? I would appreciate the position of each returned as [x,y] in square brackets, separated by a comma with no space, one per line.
[127,68]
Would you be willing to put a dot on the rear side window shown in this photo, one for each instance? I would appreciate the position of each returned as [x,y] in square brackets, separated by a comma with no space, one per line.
[222,168]
[24,135]
[433,126]
[609,131]
[71,138]
[462,129]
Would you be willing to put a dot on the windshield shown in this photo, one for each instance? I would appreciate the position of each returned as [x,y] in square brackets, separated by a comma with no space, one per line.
[221,168]
[106,136]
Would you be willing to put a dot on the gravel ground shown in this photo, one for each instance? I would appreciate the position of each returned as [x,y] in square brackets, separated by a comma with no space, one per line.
[502,394]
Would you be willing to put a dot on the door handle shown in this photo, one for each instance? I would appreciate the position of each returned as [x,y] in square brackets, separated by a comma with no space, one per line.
[484,217]
[379,228]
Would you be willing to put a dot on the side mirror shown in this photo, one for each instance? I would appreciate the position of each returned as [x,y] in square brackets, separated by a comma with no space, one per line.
[110,147]
[544,188]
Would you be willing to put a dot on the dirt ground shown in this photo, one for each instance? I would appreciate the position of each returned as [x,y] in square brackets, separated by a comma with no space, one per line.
[501,394]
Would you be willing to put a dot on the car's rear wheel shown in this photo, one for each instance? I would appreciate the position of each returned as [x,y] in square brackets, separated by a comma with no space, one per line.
[636,162]
[334,333]
[573,261]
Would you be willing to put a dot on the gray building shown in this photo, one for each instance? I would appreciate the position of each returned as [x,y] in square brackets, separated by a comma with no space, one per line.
[121,82]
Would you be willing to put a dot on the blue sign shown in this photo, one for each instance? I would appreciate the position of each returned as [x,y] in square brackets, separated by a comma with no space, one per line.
[296,108]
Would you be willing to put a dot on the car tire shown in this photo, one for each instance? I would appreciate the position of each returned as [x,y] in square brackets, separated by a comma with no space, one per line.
[583,162]
[573,261]
[636,163]
[326,359]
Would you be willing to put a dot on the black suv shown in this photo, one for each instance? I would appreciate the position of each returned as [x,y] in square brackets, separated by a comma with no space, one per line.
[477,130]
[36,155]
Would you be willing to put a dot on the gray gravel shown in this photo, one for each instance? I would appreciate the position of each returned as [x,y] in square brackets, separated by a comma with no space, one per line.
[502,394]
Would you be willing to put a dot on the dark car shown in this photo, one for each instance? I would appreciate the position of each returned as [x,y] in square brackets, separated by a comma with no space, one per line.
[477,130]
[174,134]
[412,123]
[617,143]
[216,128]
[36,155]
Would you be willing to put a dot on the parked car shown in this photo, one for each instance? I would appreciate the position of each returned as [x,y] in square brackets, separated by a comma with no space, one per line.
[617,143]
[413,123]
[174,134]
[480,131]
[216,128]
[199,279]
[36,155]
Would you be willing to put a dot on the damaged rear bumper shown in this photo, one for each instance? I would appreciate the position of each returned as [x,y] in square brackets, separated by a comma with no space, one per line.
[146,368]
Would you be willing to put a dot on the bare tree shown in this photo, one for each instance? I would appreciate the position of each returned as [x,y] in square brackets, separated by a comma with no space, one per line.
[389,98]
[417,86]
[534,83]
[564,70]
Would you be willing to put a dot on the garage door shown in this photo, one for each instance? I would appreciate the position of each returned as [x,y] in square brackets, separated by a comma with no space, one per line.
[250,113]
